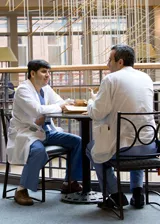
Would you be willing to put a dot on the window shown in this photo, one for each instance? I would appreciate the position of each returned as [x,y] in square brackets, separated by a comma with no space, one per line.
[22,23]
[3,24]
[22,51]
[48,24]
[57,50]
[3,41]
[118,23]
[54,55]
[77,49]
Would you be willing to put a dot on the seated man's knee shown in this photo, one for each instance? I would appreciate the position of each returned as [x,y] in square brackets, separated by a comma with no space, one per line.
[78,139]
[37,148]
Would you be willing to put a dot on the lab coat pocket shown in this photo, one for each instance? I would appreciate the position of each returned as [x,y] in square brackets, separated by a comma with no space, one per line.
[101,150]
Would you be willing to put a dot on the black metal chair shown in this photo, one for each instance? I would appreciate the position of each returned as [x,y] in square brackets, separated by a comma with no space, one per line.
[52,151]
[127,163]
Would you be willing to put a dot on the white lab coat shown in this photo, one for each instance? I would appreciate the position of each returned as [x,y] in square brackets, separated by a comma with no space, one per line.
[127,90]
[27,108]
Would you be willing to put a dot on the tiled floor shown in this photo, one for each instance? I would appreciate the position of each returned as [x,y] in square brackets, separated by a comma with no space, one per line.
[54,211]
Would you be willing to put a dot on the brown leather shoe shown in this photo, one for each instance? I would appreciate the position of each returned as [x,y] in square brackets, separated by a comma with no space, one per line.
[22,197]
[75,187]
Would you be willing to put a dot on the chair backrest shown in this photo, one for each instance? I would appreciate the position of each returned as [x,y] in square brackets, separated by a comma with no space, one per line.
[5,116]
[137,130]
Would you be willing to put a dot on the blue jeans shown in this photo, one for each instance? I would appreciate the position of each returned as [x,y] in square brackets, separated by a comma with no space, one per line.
[38,157]
[136,176]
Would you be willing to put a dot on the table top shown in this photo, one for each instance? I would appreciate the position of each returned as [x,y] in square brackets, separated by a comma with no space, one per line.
[69,116]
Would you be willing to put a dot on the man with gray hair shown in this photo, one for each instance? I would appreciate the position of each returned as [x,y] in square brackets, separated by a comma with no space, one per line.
[126,90]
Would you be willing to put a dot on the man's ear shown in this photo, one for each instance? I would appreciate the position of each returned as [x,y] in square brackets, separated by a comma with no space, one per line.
[121,62]
[32,74]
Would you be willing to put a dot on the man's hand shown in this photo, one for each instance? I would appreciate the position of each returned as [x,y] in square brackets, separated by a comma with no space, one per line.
[40,121]
[63,105]
[93,95]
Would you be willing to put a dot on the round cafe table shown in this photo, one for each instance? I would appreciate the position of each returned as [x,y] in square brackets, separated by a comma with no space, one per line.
[87,195]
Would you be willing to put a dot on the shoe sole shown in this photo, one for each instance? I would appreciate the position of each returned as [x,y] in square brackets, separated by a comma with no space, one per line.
[23,203]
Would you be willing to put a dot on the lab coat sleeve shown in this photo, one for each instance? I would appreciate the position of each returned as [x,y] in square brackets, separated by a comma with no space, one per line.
[29,102]
[54,98]
[99,108]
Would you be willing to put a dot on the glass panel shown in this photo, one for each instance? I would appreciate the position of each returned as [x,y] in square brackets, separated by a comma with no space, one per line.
[109,23]
[102,46]
[53,49]
[54,57]
[76,25]
[3,41]
[3,24]
[22,51]
[48,24]
[117,39]
[22,24]
[76,49]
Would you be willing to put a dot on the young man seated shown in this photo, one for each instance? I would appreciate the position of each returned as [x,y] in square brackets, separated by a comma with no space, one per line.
[29,132]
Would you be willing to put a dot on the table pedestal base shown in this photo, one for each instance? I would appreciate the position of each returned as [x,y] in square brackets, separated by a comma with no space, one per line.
[83,198]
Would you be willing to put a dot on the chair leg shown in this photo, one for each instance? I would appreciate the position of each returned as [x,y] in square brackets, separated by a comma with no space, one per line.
[104,184]
[43,185]
[146,186]
[120,213]
[69,170]
[120,195]
[6,180]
